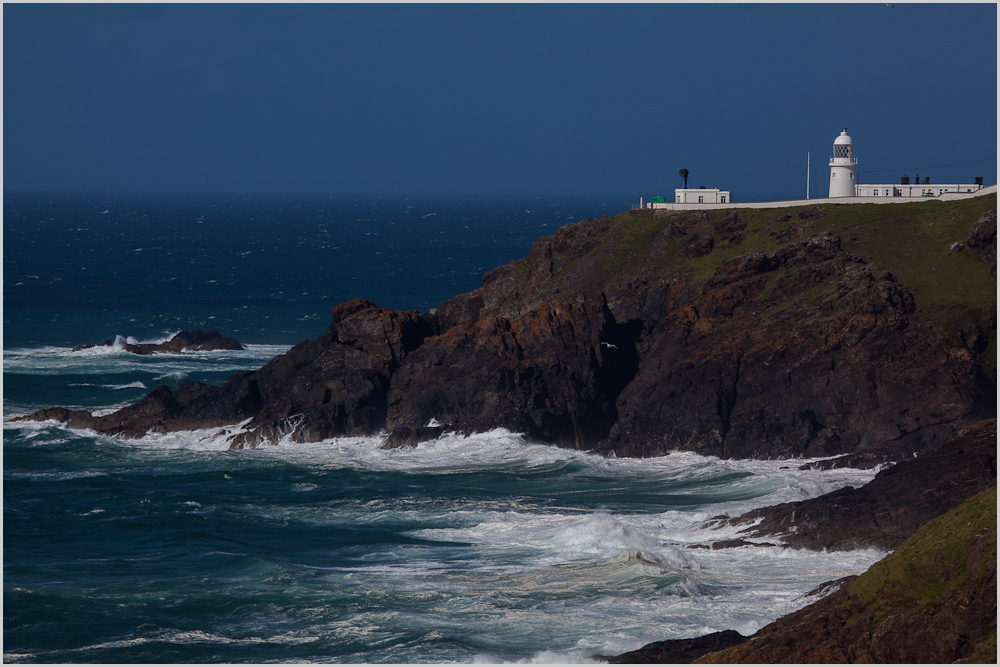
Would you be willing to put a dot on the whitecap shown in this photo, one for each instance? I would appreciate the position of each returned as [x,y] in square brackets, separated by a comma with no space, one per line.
[130,385]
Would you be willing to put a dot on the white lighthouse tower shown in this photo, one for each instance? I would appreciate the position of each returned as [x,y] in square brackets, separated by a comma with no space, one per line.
[843,167]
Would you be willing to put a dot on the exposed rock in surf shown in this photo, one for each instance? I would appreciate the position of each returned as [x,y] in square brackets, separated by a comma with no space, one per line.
[731,334]
[184,341]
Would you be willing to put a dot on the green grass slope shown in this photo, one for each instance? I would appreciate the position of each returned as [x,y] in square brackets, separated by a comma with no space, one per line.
[949,565]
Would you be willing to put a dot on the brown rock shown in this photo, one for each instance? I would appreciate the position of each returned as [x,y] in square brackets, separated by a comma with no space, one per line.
[553,373]
[757,371]
[595,341]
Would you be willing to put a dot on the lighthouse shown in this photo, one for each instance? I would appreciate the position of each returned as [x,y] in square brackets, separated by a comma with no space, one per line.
[843,167]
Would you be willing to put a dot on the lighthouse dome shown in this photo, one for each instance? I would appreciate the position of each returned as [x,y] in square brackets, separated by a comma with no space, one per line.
[844,138]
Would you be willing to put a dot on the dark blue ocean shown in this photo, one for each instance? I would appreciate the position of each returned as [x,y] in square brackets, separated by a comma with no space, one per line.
[489,548]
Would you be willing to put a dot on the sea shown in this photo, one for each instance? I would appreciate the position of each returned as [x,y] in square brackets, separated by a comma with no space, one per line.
[490,548]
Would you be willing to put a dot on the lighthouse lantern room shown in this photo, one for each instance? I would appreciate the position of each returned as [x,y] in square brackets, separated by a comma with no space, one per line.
[843,167]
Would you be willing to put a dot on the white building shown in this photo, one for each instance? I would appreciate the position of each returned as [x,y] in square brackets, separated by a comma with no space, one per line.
[843,167]
[844,178]
[702,196]
[927,189]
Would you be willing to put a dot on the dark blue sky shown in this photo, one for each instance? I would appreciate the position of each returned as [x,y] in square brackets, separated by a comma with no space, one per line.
[492,99]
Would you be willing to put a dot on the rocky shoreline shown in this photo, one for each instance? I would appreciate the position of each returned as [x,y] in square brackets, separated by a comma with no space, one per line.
[885,513]
[933,600]
[737,334]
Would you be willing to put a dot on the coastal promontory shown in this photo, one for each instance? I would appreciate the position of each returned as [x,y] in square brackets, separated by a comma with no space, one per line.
[820,331]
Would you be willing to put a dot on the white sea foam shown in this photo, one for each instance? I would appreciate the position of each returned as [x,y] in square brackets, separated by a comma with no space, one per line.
[130,385]
[539,567]
[103,360]
[747,481]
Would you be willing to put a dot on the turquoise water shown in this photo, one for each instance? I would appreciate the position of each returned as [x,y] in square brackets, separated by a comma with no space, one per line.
[485,548]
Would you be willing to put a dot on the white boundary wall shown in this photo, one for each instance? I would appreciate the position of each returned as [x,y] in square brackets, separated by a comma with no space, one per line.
[947,196]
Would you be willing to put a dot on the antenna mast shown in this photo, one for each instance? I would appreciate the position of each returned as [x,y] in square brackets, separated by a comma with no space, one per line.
[807,174]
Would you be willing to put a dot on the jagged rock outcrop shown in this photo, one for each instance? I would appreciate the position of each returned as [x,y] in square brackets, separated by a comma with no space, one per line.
[336,384]
[553,373]
[192,405]
[718,367]
[183,341]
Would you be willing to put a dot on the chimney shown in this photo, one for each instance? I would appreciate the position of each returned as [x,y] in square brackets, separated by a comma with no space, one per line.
[905,180]
[979,180]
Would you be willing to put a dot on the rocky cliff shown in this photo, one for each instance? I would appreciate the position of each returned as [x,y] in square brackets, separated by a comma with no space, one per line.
[817,331]
[937,606]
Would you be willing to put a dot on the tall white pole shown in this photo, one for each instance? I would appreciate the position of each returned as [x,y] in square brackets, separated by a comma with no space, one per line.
[807,174]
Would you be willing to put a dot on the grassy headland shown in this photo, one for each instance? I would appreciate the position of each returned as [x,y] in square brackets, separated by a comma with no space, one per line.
[953,289]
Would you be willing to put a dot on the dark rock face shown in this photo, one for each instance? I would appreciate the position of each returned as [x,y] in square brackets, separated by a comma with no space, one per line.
[335,384]
[553,373]
[191,406]
[890,508]
[837,371]
[677,651]
[184,341]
